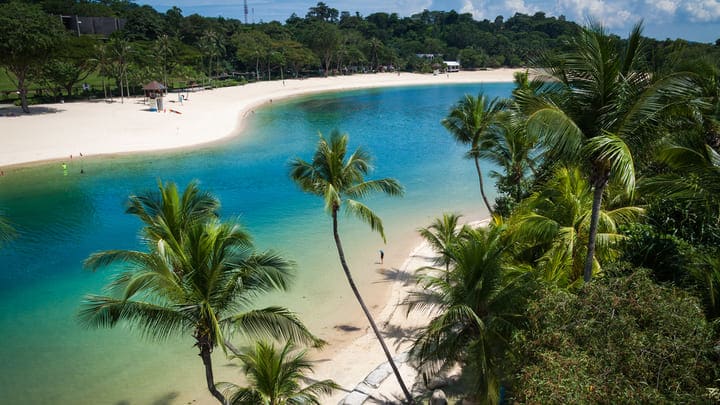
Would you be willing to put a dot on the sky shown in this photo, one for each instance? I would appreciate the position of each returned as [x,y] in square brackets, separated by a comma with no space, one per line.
[694,20]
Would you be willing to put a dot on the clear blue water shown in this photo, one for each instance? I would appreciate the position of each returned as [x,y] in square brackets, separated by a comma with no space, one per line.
[47,358]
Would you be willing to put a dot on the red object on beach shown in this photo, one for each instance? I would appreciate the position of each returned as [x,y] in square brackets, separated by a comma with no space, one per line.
[175,111]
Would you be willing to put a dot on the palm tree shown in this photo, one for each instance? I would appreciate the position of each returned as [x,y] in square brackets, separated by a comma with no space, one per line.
[275,378]
[339,179]
[198,277]
[597,106]
[472,121]
[119,51]
[442,234]
[556,220]
[165,51]
[516,151]
[475,305]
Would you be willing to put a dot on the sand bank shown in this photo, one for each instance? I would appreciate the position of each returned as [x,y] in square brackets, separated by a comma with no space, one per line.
[56,131]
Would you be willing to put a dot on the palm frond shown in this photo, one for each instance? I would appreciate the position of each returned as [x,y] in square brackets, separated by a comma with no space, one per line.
[365,214]
[272,322]
[611,148]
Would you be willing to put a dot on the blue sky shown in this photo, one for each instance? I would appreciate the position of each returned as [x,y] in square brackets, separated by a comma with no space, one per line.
[695,20]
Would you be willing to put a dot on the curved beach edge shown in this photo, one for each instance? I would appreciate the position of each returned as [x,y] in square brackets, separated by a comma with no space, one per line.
[57,132]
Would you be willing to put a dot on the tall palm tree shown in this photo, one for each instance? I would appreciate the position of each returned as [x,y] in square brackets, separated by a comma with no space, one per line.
[475,309]
[556,220]
[197,277]
[275,378]
[472,121]
[339,179]
[598,105]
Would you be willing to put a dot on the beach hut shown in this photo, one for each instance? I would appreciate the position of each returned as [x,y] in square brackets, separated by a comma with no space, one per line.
[154,91]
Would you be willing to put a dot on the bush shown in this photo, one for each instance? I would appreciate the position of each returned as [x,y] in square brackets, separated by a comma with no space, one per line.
[620,340]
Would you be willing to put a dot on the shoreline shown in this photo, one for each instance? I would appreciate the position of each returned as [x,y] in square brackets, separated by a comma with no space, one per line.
[54,132]
[217,116]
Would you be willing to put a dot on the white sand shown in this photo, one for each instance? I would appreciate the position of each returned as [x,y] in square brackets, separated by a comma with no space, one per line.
[56,131]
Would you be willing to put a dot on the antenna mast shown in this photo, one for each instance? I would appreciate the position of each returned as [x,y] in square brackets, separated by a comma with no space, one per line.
[246,11]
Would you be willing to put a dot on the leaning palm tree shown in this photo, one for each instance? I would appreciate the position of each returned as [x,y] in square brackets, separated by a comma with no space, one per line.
[339,179]
[597,107]
[472,121]
[475,308]
[275,378]
[555,221]
[198,277]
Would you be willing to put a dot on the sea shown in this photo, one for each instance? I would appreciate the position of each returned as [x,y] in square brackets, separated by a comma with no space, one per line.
[63,215]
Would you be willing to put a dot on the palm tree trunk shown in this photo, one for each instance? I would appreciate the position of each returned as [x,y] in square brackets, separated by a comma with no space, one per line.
[23,93]
[482,186]
[374,327]
[205,351]
[594,218]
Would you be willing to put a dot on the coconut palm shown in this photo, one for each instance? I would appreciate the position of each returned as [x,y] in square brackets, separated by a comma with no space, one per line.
[597,107]
[472,121]
[514,150]
[475,307]
[276,378]
[339,178]
[198,277]
[442,234]
[556,220]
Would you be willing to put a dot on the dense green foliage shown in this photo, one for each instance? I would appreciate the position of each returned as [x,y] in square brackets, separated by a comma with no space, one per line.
[179,50]
[570,143]
[621,340]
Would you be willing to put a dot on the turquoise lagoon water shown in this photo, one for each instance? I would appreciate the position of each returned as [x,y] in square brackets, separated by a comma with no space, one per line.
[47,358]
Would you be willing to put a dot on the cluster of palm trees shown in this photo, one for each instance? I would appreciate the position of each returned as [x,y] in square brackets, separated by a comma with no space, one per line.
[566,144]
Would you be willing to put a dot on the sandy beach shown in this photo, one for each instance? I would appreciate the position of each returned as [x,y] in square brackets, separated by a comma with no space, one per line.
[54,132]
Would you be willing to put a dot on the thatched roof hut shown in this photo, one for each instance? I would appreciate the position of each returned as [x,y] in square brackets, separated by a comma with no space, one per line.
[154,89]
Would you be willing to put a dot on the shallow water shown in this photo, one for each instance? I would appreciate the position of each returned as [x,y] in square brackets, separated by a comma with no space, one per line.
[63,217]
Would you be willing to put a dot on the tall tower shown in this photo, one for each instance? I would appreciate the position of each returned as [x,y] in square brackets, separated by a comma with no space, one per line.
[246,11]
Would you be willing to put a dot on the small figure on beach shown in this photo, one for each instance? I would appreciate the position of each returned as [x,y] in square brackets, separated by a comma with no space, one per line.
[382,256]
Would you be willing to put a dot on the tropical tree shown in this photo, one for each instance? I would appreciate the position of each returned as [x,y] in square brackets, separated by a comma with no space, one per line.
[339,178]
[442,234]
[516,152]
[165,50]
[27,37]
[198,277]
[475,306]
[473,121]
[555,221]
[276,378]
[597,107]
[119,51]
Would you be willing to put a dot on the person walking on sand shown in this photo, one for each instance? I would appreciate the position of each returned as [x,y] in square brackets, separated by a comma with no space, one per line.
[382,257]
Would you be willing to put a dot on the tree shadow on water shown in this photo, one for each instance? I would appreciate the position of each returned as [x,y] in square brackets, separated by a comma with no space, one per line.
[167,399]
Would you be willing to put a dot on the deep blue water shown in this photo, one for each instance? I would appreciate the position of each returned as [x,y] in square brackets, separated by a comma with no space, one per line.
[62,218]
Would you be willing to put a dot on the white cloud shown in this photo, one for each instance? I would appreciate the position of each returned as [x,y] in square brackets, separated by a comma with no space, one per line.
[702,10]
[612,14]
